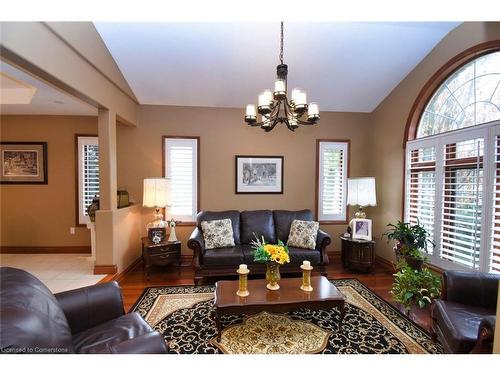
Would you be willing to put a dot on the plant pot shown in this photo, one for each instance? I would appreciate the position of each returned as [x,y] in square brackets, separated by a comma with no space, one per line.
[272,275]
[414,263]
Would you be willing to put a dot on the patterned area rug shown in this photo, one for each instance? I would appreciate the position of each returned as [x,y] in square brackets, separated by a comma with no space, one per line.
[185,317]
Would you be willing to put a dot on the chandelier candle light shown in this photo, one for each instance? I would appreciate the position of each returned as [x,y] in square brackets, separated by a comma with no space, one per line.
[243,271]
[274,107]
[306,276]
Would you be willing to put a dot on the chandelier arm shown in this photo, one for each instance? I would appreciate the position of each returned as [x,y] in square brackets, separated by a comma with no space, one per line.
[302,122]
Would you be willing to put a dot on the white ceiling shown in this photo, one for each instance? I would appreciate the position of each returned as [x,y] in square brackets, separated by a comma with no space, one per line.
[342,66]
[47,99]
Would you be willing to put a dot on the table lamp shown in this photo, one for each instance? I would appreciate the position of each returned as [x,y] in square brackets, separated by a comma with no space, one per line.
[156,195]
[361,192]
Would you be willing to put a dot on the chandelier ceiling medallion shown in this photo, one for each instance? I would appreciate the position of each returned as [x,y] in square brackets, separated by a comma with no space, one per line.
[274,107]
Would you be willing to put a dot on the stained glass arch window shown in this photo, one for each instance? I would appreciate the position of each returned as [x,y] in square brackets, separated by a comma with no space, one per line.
[469,96]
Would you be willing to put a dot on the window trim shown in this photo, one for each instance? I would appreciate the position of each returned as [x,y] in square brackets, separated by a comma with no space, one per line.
[163,139]
[437,79]
[77,179]
[348,174]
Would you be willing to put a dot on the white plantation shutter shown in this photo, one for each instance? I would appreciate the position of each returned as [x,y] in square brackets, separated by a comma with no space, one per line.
[494,253]
[181,166]
[332,181]
[421,189]
[88,174]
[462,196]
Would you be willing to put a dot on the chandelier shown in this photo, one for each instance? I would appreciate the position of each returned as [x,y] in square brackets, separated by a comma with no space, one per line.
[274,107]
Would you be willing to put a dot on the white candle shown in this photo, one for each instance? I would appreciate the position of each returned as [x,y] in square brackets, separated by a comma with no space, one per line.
[243,268]
[301,98]
[306,263]
[295,93]
[313,109]
[265,98]
[279,86]
[251,110]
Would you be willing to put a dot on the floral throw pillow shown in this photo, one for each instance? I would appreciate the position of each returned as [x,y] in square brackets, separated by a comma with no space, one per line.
[303,234]
[217,233]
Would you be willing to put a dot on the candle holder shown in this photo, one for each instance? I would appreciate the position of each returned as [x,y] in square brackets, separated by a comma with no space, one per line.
[243,283]
[306,278]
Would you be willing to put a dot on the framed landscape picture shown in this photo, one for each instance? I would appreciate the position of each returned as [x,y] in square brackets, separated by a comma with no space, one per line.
[23,162]
[259,174]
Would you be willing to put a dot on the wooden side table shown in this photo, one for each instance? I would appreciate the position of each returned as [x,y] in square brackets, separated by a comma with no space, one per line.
[358,255]
[162,254]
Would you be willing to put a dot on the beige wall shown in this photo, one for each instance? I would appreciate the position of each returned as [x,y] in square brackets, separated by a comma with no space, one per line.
[41,215]
[389,121]
[223,135]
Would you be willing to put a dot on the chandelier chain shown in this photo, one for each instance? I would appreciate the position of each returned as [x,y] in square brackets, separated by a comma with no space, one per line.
[281,49]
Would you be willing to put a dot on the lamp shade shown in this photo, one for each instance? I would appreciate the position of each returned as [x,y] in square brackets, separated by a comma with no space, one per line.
[156,192]
[361,191]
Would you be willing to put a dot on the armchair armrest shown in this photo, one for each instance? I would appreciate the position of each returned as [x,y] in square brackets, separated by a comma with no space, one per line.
[485,335]
[149,343]
[90,306]
[197,244]
[322,241]
[471,288]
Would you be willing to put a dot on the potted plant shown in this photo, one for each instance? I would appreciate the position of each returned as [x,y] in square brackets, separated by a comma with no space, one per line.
[411,241]
[273,256]
[412,287]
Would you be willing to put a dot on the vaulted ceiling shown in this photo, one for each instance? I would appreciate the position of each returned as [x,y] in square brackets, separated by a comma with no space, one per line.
[343,66]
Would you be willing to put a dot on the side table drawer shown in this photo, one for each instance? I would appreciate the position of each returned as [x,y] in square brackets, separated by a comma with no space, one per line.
[160,250]
[163,257]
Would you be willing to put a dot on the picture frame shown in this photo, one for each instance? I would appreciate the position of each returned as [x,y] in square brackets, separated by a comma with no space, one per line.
[23,163]
[258,174]
[157,235]
[361,229]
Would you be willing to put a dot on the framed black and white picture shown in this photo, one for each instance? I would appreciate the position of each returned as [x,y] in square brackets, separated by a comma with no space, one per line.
[23,162]
[361,229]
[259,174]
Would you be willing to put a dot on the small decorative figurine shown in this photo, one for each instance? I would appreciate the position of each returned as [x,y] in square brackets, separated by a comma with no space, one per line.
[92,208]
[172,237]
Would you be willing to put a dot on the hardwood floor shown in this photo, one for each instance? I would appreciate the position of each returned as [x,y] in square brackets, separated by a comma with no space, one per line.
[134,282]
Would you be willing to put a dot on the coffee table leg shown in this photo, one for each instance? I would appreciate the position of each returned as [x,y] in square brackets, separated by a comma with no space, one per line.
[342,314]
[217,323]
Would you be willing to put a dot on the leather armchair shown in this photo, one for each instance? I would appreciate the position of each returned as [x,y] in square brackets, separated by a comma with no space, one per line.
[85,320]
[464,318]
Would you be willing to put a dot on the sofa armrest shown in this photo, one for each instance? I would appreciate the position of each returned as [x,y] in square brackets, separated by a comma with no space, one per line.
[471,288]
[90,306]
[485,335]
[149,343]
[322,241]
[197,244]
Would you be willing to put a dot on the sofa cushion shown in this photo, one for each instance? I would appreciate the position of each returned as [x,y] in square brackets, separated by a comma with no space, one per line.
[217,233]
[217,215]
[459,324]
[298,255]
[100,338]
[259,222]
[30,315]
[283,221]
[227,256]
[303,234]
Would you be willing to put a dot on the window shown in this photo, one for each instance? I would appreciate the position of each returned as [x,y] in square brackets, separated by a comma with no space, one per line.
[452,182]
[332,169]
[181,166]
[88,174]
[468,97]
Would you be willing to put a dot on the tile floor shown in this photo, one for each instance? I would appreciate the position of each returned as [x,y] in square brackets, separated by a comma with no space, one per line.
[59,272]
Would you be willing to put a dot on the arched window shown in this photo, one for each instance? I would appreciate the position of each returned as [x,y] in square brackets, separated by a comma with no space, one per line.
[470,96]
[452,180]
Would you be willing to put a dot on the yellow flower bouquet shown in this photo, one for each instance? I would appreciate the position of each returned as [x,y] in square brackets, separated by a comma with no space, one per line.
[264,252]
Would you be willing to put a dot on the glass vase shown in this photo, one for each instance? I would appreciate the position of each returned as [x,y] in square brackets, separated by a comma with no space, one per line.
[272,275]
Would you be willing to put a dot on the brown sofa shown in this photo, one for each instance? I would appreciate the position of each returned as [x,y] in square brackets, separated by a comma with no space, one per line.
[85,320]
[273,225]
[463,320]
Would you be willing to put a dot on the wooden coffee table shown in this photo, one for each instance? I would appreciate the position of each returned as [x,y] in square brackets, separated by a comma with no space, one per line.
[288,298]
